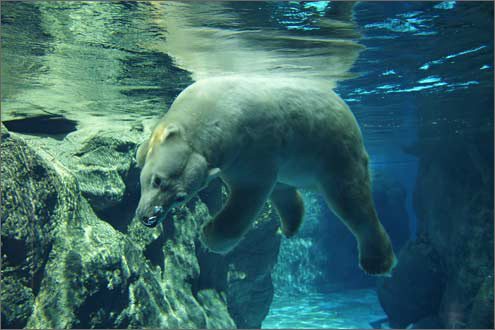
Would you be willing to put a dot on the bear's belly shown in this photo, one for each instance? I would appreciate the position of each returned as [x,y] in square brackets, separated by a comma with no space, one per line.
[300,173]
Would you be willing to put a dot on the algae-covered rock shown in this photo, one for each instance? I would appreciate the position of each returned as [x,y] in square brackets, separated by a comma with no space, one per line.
[104,188]
[105,169]
[99,278]
[65,267]
[35,200]
[103,163]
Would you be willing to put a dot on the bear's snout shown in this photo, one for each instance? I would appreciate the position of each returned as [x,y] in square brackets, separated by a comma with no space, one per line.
[158,213]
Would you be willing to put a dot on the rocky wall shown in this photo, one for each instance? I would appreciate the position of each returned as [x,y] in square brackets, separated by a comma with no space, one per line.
[451,264]
[74,257]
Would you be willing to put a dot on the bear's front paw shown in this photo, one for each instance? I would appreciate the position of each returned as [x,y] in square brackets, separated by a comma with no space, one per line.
[214,240]
[377,258]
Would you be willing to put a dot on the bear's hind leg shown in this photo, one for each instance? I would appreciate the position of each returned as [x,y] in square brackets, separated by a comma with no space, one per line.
[226,229]
[290,207]
[348,193]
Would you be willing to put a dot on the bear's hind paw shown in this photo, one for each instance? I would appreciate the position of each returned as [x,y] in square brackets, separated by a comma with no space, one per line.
[378,265]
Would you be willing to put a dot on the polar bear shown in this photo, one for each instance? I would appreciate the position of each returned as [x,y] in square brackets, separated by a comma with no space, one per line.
[264,138]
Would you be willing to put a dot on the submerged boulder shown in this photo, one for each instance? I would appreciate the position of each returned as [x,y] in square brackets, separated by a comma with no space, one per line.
[454,207]
[101,159]
[65,267]
[108,178]
[74,270]
[33,198]
[454,202]
[413,292]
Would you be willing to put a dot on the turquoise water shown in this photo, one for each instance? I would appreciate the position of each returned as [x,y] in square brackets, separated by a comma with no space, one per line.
[423,79]
[353,309]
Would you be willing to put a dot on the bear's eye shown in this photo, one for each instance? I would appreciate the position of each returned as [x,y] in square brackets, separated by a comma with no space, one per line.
[156,182]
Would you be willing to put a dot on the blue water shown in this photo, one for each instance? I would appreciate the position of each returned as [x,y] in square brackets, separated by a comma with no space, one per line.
[350,309]
[124,62]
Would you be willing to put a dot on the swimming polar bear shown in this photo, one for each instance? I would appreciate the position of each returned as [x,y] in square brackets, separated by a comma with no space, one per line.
[264,138]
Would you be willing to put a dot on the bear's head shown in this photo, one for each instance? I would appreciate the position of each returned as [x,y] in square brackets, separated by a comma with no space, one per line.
[172,173]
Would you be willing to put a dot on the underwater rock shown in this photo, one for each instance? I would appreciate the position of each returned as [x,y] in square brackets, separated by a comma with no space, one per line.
[34,200]
[103,188]
[415,289]
[105,170]
[17,302]
[102,160]
[63,267]
[454,201]
[100,279]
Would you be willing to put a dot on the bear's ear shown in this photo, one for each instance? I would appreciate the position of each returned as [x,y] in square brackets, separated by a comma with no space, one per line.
[168,132]
[141,153]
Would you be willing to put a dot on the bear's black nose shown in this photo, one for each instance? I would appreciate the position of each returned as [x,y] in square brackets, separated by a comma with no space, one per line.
[155,218]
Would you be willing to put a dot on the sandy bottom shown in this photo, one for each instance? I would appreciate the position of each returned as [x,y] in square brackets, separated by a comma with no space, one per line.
[353,309]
